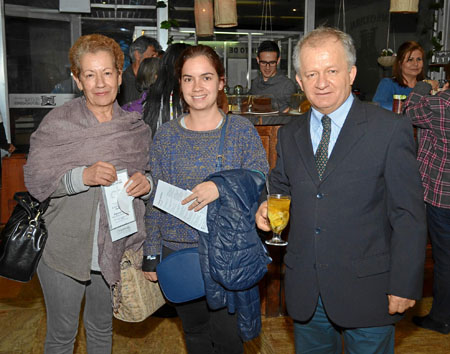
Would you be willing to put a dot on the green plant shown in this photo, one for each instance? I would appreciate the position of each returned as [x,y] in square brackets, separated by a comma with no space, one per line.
[160,4]
[170,23]
[387,52]
[436,42]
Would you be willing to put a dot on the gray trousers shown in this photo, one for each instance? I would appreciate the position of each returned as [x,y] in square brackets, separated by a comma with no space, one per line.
[63,297]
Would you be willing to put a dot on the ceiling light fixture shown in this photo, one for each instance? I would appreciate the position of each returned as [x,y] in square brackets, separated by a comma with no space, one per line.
[225,13]
[221,32]
[203,10]
[404,6]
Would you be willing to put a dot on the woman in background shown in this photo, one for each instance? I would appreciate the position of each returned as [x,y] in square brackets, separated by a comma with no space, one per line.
[407,71]
[183,153]
[78,148]
[146,76]
[431,113]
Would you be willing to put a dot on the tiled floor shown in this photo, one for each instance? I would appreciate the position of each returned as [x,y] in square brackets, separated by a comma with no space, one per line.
[22,330]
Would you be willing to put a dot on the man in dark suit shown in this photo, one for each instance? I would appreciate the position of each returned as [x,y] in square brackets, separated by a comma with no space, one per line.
[357,236]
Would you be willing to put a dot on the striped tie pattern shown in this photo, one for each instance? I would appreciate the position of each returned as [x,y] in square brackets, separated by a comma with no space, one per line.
[322,149]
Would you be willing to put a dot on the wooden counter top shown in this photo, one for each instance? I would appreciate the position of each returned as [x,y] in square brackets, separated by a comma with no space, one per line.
[273,119]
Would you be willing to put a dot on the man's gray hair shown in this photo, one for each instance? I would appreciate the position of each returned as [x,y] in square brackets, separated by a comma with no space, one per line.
[316,37]
[141,44]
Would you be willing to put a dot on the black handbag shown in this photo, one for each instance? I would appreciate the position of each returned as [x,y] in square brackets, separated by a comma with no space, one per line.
[23,238]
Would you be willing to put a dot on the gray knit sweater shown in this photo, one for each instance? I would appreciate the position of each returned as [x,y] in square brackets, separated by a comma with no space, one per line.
[279,86]
[185,158]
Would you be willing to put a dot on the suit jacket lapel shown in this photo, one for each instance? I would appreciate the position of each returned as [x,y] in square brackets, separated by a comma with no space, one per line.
[353,130]
[303,140]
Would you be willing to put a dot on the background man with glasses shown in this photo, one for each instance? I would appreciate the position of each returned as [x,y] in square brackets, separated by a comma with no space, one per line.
[270,82]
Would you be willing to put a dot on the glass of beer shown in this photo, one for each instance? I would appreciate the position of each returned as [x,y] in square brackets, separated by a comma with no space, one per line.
[278,213]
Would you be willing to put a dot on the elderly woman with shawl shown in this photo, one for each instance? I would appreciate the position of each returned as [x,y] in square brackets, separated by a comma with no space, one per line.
[77,149]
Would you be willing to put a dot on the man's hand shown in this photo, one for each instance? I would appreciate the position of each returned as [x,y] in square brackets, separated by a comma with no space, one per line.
[261,218]
[100,173]
[150,276]
[399,304]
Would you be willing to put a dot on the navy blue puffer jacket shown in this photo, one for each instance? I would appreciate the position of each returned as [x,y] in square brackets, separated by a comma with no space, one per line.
[232,256]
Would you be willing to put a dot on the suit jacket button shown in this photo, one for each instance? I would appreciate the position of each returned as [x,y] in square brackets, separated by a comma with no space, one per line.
[317,230]
[319,196]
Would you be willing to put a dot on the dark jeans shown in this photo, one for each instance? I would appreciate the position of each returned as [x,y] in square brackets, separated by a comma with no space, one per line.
[439,231]
[208,331]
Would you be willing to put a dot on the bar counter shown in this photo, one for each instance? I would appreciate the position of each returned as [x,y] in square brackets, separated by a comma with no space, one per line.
[267,127]
[272,119]
[272,285]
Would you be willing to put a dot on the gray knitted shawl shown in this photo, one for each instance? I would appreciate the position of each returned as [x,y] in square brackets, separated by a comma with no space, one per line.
[70,136]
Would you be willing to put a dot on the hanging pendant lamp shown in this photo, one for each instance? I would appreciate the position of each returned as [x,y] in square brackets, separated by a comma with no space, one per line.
[203,10]
[404,6]
[225,13]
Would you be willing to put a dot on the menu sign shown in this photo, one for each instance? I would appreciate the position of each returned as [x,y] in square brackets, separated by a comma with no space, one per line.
[39,100]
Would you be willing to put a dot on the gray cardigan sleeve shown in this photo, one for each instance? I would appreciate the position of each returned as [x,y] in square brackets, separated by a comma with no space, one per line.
[71,183]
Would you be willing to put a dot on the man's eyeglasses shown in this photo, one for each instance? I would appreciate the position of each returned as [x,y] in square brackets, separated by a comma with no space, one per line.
[267,63]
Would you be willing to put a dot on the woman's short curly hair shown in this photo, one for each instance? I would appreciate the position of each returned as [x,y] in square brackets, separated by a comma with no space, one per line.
[92,43]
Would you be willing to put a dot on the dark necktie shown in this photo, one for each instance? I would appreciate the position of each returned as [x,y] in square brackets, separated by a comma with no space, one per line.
[322,149]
